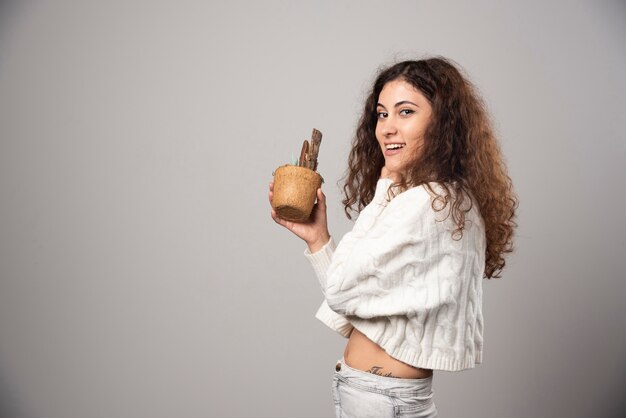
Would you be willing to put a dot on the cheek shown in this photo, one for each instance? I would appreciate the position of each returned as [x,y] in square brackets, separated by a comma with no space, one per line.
[416,132]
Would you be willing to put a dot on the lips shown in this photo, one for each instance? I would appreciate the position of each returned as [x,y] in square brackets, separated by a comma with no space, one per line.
[393,148]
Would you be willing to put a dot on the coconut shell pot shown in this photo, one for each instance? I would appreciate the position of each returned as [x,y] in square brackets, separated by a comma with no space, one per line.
[295,190]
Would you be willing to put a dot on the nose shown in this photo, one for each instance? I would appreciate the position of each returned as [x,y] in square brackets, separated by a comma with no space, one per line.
[388,127]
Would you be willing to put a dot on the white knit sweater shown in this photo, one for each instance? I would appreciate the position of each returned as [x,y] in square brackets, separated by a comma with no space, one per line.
[401,279]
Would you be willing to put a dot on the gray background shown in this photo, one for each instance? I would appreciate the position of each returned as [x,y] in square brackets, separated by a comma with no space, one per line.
[141,274]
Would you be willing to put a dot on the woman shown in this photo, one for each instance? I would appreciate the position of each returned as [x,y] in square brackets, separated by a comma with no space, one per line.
[436,210]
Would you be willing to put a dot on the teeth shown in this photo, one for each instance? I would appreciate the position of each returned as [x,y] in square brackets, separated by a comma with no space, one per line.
[394,146]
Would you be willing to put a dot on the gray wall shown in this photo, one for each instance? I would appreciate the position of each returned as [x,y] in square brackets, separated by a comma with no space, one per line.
[141,274]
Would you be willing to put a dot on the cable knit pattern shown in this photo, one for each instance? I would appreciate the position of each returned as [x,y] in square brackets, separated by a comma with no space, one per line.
[400,279]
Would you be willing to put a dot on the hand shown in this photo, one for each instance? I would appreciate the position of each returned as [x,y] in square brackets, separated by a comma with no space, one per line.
[386,174]
[314,231]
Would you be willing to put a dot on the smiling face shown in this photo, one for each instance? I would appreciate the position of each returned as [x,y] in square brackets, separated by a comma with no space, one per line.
[403,116]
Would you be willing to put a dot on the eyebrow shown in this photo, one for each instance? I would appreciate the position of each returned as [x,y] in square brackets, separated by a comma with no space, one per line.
[398,104]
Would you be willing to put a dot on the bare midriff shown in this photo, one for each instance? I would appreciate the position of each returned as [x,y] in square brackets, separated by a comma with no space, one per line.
[363,354]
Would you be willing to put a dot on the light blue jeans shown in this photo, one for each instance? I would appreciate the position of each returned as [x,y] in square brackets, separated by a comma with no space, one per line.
[359,394]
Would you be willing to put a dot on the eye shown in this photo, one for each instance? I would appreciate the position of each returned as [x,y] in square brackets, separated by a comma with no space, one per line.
[381,115]
[406,112]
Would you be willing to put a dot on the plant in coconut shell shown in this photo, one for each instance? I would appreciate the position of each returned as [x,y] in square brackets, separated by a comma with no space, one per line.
[295,185]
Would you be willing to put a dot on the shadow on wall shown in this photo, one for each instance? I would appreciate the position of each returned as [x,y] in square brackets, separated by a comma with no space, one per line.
[618,409]
[6,11]
[8,401]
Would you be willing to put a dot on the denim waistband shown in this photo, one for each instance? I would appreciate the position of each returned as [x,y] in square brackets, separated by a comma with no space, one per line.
[404,386]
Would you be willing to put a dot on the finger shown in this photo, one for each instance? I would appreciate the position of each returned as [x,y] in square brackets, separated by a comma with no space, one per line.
[275,217]
[271,193]
[281,221]
[321,197]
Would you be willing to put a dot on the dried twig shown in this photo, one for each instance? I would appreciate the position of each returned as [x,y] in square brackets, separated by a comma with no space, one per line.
[316,139]
[303,153]
[310,151]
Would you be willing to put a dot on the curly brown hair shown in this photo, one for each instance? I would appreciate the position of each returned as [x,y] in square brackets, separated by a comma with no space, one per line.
[461,154]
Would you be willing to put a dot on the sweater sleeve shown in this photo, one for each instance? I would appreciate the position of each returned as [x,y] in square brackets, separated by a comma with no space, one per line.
[404,263]
[333,320]
[320,260]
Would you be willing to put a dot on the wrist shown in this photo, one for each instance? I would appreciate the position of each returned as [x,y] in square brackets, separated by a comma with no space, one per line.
[317,245]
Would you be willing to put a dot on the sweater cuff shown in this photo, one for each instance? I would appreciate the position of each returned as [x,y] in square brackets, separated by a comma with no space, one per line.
[382,187]
[320,260]
[333,320]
